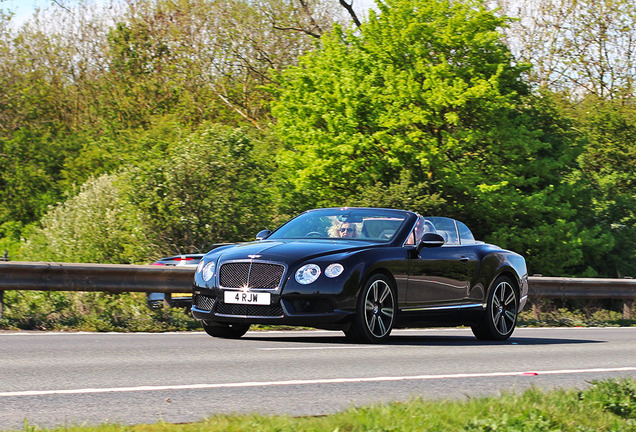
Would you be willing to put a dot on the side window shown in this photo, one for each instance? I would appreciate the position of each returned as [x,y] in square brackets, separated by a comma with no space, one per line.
[416,234]
[465,235]
[446,228]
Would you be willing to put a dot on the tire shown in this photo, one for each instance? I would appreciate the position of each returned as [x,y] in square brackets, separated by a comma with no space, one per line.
[225,331]
[500,317]
[375,311]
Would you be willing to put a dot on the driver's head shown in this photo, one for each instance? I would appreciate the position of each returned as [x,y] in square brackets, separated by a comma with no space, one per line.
[347,230]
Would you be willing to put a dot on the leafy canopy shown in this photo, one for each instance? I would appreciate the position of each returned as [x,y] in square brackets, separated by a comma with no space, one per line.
[426,99]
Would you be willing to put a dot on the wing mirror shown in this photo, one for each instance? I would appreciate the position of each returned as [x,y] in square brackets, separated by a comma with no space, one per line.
[262,235]
[430,240]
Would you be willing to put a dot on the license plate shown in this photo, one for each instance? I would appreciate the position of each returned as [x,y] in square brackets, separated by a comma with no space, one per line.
[181,295]
[246,297]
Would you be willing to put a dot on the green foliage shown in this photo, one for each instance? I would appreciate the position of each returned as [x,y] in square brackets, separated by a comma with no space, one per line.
[427,89]
[30,165]
[426,108]
[422,107]
[10,238]
[97,226]
[211,188]
[101,312]
[608,169]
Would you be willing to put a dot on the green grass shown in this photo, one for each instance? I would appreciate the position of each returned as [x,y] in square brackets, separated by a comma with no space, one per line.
[604,406]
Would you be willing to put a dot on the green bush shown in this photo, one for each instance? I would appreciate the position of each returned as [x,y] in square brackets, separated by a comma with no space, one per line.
[100,312]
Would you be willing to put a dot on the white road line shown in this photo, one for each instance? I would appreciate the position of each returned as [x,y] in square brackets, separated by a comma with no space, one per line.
[328,348]
[309,382]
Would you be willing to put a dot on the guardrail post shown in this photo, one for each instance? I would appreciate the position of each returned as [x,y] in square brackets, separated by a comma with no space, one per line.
[628,306]
[5,257]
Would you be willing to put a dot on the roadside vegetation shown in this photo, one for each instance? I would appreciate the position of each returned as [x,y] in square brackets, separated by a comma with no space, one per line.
[604,406]
[97,312]
[133,130]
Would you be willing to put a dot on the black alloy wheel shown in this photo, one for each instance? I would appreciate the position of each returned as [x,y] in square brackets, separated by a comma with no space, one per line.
[224,330]
[500,317]
[375,311]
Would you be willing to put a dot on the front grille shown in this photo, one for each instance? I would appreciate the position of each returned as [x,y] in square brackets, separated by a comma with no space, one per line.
[274,311]
[204,302]
[249,274]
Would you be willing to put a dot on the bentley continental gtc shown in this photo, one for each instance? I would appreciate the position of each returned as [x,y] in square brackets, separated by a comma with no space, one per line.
[363,271]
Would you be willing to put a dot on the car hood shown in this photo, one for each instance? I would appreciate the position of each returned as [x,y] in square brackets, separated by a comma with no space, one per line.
[291,250]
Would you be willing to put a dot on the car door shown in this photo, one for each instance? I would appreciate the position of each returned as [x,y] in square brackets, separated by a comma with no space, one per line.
[440,276]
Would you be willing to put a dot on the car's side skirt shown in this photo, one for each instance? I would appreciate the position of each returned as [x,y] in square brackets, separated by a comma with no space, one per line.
[446,307]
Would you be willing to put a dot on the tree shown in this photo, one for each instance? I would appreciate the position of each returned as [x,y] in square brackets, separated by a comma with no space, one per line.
[427,94]
[608,170]
[97,225]
[212,187]
[578,46]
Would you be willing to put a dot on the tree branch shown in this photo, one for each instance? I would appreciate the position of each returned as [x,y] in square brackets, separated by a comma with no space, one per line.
[315,35]
[61,5]
[349,8]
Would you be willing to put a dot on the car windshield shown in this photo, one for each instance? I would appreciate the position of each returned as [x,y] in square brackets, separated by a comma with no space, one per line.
[348,224]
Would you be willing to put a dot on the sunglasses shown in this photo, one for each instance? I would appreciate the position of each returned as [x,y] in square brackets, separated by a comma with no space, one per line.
[346,230]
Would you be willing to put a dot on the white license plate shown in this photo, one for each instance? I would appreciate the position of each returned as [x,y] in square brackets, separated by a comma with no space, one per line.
[247,297]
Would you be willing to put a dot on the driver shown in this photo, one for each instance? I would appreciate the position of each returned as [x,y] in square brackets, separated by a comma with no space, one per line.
[347,230]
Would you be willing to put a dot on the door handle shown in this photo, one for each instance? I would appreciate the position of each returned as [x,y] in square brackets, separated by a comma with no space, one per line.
[464,259]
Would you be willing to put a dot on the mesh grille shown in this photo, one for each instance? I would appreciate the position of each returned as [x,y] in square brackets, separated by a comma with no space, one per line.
[251,275]
[234,275]
[204,302]
[249,310]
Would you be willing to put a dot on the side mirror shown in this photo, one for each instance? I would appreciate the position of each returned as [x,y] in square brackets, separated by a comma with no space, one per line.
[430,240]
[262,235]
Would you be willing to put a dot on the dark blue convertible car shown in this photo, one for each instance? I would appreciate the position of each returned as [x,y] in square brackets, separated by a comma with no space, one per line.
[364,271]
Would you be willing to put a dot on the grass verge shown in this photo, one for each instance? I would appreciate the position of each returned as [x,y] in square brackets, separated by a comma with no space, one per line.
[604,406]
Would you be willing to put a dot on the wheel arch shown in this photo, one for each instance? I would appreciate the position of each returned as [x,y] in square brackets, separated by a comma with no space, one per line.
[502,263]
[510,274]
[375,271]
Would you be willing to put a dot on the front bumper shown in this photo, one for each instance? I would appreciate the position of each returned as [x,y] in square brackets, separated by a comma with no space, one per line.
[310,311]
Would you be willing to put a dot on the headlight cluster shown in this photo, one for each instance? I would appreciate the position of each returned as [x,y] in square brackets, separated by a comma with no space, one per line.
[206,269]
[309,273]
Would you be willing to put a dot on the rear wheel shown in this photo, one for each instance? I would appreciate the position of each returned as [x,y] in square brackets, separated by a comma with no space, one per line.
[224,330]
[375,312]
[500,318]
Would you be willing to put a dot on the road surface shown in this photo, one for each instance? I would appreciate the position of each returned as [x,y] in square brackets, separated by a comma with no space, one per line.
[57,379]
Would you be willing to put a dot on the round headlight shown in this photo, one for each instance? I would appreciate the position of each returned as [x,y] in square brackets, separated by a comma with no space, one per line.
[334,270]
[200,266]
[307,274]
[208,271]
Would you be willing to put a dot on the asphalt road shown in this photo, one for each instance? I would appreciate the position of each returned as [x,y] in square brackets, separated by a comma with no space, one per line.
[56,379]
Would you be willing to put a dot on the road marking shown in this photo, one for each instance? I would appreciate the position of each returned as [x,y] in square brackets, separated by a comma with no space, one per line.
[323,348]
[309,382]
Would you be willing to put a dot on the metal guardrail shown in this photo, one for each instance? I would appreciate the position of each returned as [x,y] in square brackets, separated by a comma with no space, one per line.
[112,278]
[116,278]
[582,288]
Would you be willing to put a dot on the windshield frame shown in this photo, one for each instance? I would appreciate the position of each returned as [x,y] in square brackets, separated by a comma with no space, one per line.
[377,225]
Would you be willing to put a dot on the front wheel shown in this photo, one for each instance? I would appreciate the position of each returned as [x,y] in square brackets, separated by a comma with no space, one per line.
[375,311]
[225,331]
[500,317]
